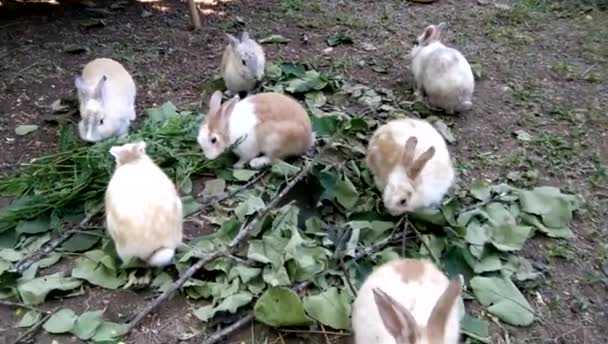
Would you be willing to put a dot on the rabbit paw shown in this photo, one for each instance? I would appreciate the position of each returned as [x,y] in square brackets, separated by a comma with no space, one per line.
[260,162]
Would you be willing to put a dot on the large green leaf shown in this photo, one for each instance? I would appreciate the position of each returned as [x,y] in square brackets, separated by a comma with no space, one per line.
[35,291]
[550,204]
[98,274]
[280,306]
[509,237]
[61,321]
[39,225]
[311,80]
[330,307]
[109,332]
[87,324]
[504,300]
[29,319]
[230,304]
[249,207]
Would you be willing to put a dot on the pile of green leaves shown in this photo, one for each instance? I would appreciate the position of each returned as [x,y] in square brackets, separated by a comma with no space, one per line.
[291,272]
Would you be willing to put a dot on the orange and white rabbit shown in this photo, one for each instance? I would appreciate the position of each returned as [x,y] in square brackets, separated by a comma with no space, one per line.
[407,301]
[263,127]
[411,165]
[143,208]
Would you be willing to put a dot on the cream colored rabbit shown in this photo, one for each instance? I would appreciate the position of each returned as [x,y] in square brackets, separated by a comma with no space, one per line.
[442,74]
[143,209]
[243,64]
[411,165]
[106,93]
[272,125]
[407,301]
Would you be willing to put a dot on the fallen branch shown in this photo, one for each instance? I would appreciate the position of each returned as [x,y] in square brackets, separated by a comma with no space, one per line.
[227,251]
[47,314]
[52,244]
[220,335]
[194,15]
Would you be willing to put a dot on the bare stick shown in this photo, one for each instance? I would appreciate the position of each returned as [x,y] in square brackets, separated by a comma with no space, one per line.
[403,239]
[194,15]
[21,305]
[33,329]
[431,253]
[219,335]
[52,244]
[244,232]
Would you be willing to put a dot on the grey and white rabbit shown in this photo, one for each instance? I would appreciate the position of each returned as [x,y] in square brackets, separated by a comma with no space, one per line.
[106,93]
[243,64]
[442,74]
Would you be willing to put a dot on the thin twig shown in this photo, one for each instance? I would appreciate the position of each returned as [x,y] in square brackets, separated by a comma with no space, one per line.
[32,330]
[431,253]
[218,336]
[50,245]
[327,341]
[403,239]
[244,232]
[21,305]
[587,71]
[316,332]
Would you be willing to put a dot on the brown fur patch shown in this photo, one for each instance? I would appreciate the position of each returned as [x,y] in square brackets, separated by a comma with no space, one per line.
[411,269]
[217,121]
[441,312]
[384,153]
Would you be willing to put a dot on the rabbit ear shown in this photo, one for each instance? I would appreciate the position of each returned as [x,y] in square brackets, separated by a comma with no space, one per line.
[115,151]
[215,102]
[441,312]
[232,40]
[428,34]
[140,147]
[81,85]
[244,36]
[97,91]
[408,153]
[398,321]
[229,105]
[418,165]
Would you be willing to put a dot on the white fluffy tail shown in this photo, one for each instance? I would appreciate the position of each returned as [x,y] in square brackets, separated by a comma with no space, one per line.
[162,257]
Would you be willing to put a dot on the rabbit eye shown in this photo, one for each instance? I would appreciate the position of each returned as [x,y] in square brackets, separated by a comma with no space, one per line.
[213,140]
[101,121]
[403,202]
[415,41]
[244,62]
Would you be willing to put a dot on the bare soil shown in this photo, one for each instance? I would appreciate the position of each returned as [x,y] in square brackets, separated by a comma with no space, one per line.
[543,71]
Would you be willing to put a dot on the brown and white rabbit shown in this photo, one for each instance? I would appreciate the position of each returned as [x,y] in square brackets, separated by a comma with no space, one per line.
[272,125]
[143,208]
[243,64]
[442,74]
[106,92]
[407,301]
[411,165]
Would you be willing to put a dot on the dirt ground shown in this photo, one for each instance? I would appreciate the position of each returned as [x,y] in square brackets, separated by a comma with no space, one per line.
[543,70]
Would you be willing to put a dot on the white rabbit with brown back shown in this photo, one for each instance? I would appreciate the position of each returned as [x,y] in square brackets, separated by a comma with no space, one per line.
[442,74]
[106,93]
[262,128]
[143,208]
[243,64]
[411,165]
[407,301]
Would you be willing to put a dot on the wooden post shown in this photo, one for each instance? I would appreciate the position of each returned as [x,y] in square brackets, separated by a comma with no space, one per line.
[194,15]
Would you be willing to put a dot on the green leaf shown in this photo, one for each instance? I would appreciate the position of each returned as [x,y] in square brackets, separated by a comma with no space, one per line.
[243,175]
[269,250]
[214,188]
[98,274]
[162,282]
[488,263]
[230,304]
[245,273]
[110,331]
[189,205]
[563,233]
[481,191]
[346,193]
[475,328]
[498,214]
[87,323]
[476,233]
[521,267]
[161,114]
[330,307]
[34,291]
[509,237]
[61,321]
[50,260]
[249,207]
[505,300]
[273,71]
[283,169]
[337,39]
[315,99]
[29,319]
[80,242]
[279,307]
[39,225]
[550,204]
[276,276]
[276,39]
[11,255]
[311,80]
[25,129]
